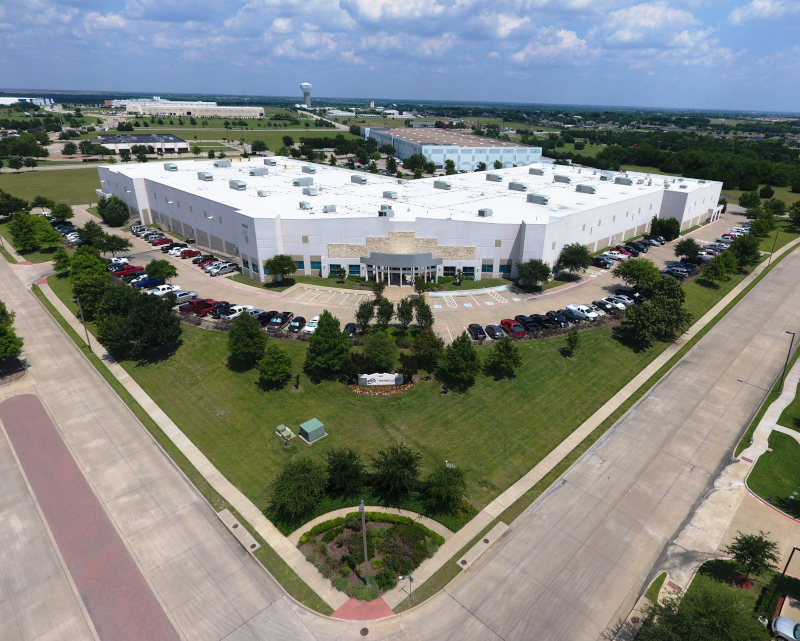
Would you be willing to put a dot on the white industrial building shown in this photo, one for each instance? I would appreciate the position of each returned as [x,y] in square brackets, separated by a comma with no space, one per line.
[7,101]
[482,223]
[164,143]
[466,150]
[157,106]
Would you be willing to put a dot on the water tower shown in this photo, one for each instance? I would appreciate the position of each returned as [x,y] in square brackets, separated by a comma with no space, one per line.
[306,87]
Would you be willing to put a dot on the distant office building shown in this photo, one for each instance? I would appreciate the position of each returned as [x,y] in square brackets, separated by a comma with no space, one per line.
[306,88]
[157,106]
[165,143]
[39,102]
[465,150]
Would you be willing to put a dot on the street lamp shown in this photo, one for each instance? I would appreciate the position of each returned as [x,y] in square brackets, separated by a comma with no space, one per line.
[364,532]
[788,354]
[774,242]
[85,329]
[783,574]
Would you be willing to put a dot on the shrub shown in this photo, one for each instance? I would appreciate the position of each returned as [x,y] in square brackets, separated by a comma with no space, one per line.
[386,579]
[319,528]
[339,582]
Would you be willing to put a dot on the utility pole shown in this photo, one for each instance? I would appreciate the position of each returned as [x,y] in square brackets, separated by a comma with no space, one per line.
[364,532]
[85,329]
[788,355]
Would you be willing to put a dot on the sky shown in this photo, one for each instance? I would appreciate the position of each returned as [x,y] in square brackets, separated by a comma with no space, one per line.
[703,54]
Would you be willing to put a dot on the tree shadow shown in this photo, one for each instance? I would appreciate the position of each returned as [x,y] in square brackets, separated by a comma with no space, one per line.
[566,352]
[705,282]
[239,366]
[286,282]
[626,341]
[268,386]
[157,355]
[722,571]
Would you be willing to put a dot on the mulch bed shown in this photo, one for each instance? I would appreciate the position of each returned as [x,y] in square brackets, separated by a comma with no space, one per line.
[12,370]
[380,390]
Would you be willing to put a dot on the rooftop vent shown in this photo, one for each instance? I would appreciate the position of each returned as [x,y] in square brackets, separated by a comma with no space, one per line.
[308,169]
[442,184]
[495,178]
[328,209]
[538,199]
[358,180]
[238,185]
[222,163]
[259,171]
[560,178]
[701,182]
[304,204]
[585,189]
[603,177]
[303,181]
[484,213]
[170,166]
[619,180]
[536,172]
[390,194]
[271,162]
[517,186]
[309,191]
[205,175]
[263,193]
[388,212]
[683,186]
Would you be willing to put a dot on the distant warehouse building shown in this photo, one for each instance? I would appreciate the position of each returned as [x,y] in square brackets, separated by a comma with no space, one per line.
[198,108]
[327,218]
[467,151]
[165,143]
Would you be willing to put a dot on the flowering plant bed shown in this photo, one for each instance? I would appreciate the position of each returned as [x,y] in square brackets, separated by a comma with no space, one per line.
[380,390]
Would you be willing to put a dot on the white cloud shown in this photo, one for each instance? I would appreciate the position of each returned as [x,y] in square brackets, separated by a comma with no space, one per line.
[644,22]
[764,9]
[94,21]
[553,43]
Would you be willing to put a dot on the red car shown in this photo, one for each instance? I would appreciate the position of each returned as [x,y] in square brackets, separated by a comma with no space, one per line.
[513,328]
[130,269]
[205,307]
[193,305]
[622,250]
[206,261]
[161,241]
[189,253]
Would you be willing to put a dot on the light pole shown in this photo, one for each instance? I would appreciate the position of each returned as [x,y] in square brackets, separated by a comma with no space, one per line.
[788,354]
[85,329]
[783,574]
[364,532]
[774,242]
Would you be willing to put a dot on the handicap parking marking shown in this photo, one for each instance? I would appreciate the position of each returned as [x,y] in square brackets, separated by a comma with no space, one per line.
[437,306]
[488,303]
[467,304]
[516,300]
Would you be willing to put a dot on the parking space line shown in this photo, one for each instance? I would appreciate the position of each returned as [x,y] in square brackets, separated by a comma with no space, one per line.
[317,296]
[358,300]
[344,300]
[332,295]
[449,300]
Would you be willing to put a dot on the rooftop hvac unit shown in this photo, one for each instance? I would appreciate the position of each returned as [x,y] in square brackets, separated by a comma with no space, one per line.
[585,189]
[561,178]
[390,194]
[388,212]
[385,207]
[309,191]
[603,177]
[359,180]
[170,166]
[222,163]
[619,180]
[259,171]
[328,209]
[308,169]
[536,172]
[303,181]
[682,186]
[205,175]
[270,162]
[538,199]
[640,181]
[263,193]
[442,184]
[517,186]
[701,182]
[238,185]
[495,178]
[484,213]
[304,204]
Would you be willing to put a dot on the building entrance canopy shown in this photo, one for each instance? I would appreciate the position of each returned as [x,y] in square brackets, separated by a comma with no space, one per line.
[400,269]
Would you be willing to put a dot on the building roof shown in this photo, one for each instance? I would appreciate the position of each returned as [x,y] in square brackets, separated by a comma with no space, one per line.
[136,139]
[450,137]
[415,198]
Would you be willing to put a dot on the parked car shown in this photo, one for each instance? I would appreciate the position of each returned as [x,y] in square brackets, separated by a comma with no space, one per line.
[176,251]
[202,257]
[213,265]
[546,322]
[161,290]
[571,316]
[604,305]
[617,304]
[173,245]
[203,309]
[208,261]
[642,247]
[530,325]
[512,327]
[135,228]
[234,312]
[785,628]
[265,317]
[582,311]
[182,296]
[118,260]
[147,283]
[678,274]
[159,241]
[494,332]
[658,239]
[557,318]
[632,250]
[621,298]
[194,305]
[129,277]
[615,255]
[597,310]
[227,268]
[476,331]
[189,253]
[634,294]
[704,256]
[622,250]
[128,269]
[689,267]
[725,240]
[352,329]
[299,322]
[603,262]
[311,327]
[280,321]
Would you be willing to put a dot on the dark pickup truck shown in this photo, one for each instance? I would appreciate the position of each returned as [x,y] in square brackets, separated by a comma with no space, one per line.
[279,322]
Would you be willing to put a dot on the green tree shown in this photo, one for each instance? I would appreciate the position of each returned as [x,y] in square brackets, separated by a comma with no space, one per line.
[754,553]
[258,146]
[212,154]
[86,261]
[749,199]
[450,167]
[794,214]
[417,173]
[381,349]
[481,166]
[43,203]
[10,343]
[503,359]
[424,314]
[70,149]
[341,274]
[384,313]
[90,289]
[280,266]
[275,368]
[346,473]
[246,341]
[776,206]
[28,233]
[328,349]
[719,267]
[459,364]
[573,341]
[91,233]
[113,244]
[498,164]
[746,250]
[288,141]
[405,312]
[766,192]
[61,260]
[391,165]
[16,163]
[7,316]
[575,257]
[372,168]
[395,471]
[636,271]
[428,349]
[161,269]
[444,489]
[377,287]
[298,489]
[10,204]
[534,271]
[62,211]
[686,247]
[365,313]
[660,318]
[113,211]
[421,285]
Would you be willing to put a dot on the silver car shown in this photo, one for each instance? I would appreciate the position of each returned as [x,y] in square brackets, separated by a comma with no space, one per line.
[785,628]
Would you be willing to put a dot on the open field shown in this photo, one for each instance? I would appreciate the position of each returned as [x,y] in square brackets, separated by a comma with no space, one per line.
[776,475]
[71,186]
[270,135]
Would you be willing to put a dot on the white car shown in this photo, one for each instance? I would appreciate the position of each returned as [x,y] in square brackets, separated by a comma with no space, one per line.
[311,326]
[139,279]
[119,261]
[162,290]
[235,312]
[176,251]
[616,303]
[597,310]
[582,311]
[785,628]
[213,265]
[227,268]
[621,298]
[615,255]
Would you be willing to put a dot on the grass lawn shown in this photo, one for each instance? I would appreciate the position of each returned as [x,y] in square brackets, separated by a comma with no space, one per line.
[776,475]
[655,587]
[272,136]
[785,234]
[783,193]
[791,415]
[290,281]
[71,186]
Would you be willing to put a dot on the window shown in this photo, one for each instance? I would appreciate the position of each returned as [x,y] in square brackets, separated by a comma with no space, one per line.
[505,269]
[305,239]
[245,264]
[246,240]
[498,243]
[614,218]
[266,271]
[584,228]
[316,264]
[487,269]
[554,245]
[469,272]
[191,209]
[354,270]
[450,271]
[300,264]
[334,269]
[220,220]
[599,222]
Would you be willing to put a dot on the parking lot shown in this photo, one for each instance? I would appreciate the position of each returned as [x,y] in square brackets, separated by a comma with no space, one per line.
[453,311]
